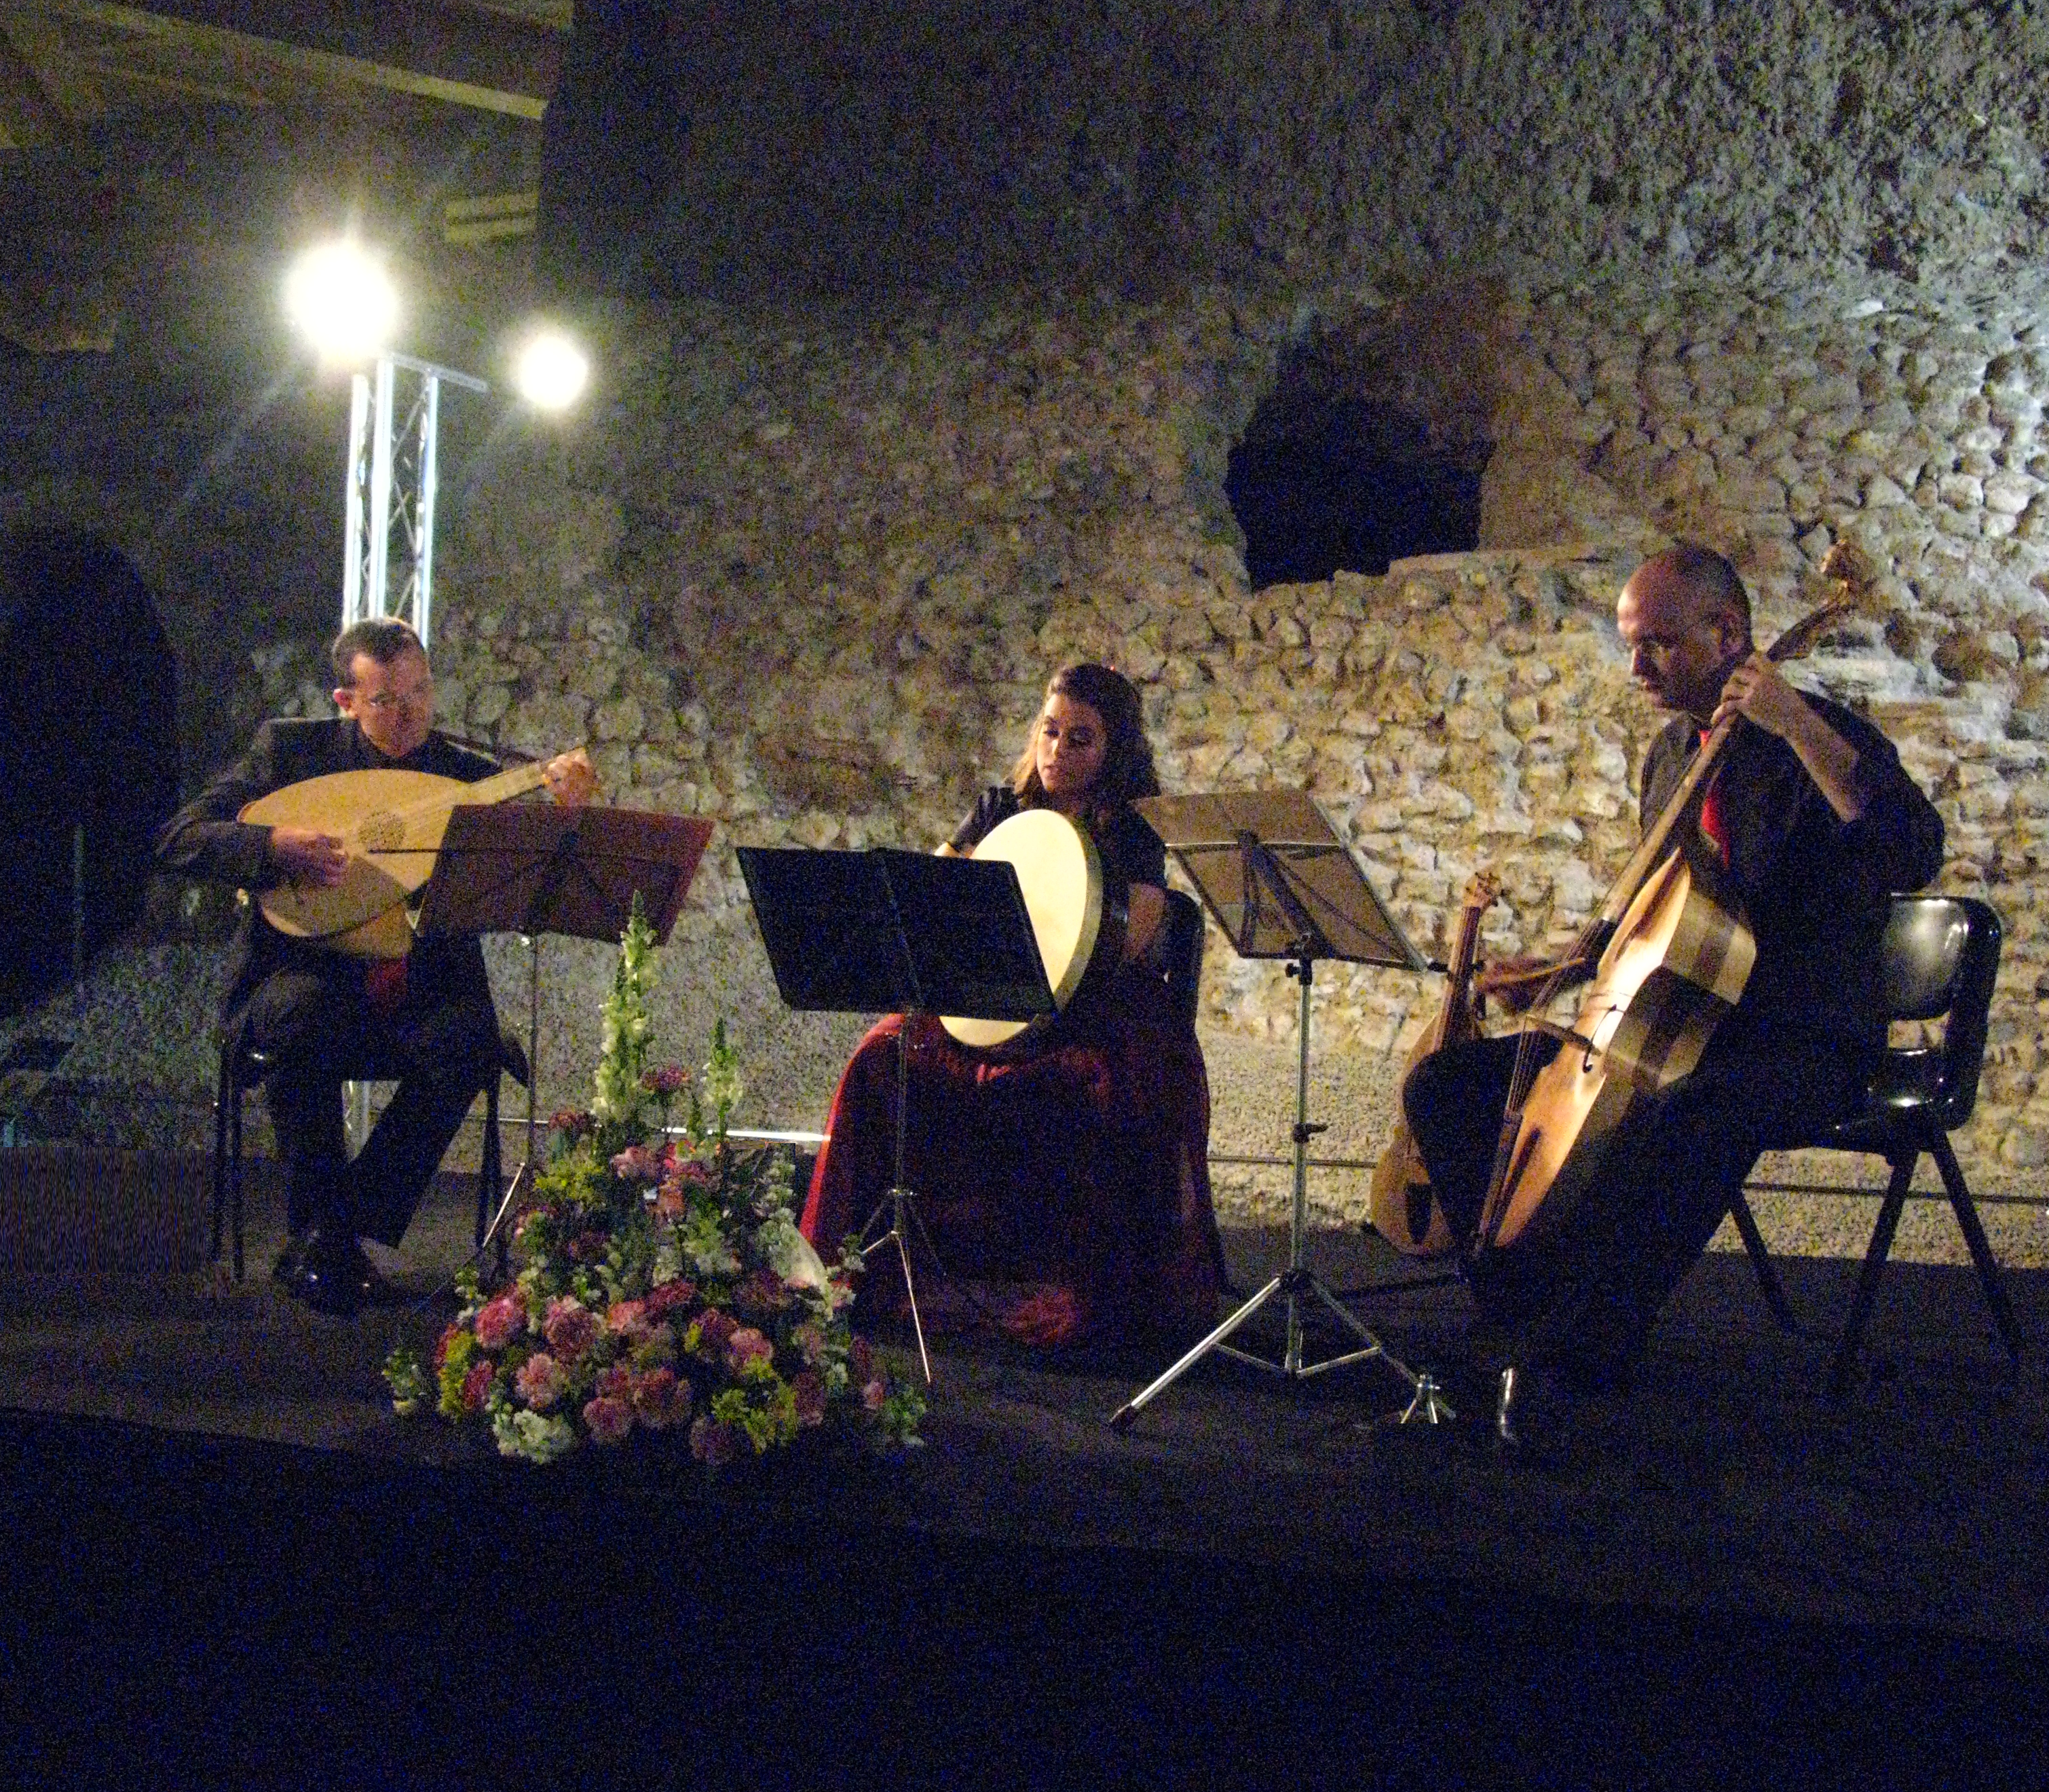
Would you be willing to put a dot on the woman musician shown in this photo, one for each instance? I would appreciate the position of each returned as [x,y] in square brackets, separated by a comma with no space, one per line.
[1811,821]
[1064,1182]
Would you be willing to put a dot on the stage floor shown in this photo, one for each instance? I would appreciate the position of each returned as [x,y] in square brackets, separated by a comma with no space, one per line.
[1724,1511]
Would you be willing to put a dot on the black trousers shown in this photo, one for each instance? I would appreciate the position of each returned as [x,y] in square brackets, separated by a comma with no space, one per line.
[1583,1302]
[312,1022]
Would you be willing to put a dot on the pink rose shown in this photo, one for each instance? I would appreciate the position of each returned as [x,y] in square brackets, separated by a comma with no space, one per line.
[714,1328]
[713,1444]
[809,1386]
[682,1177]
[668,1080]
[669,1296]
[571,1327]
[541,1382]
[609,1420]
[628,1318]
[872,1395]
[636,1164]
[570,1123]
[475,1385]
[615,1382]
[660,1400]
[763,1291]
[746,1346]
[499,1321]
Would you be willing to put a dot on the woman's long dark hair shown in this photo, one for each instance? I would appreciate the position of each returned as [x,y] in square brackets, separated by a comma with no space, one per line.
[1127,759]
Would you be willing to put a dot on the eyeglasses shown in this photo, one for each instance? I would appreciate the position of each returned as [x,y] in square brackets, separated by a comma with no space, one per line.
[390,702]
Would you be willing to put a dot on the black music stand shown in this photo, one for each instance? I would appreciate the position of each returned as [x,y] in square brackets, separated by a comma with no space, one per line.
[884,931]
[1282,885]
[535,868]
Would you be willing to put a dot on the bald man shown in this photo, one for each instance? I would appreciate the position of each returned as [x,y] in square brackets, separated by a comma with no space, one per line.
[1812,823]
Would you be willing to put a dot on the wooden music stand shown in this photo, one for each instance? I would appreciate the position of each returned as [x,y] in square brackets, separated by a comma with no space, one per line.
[534,868]
[885,931]
[1269,866]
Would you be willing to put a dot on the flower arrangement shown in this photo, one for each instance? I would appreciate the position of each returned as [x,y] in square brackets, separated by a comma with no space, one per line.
[661,1282]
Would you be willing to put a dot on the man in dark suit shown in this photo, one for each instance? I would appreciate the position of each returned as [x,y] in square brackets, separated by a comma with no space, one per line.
[1810,823]
[312,1012]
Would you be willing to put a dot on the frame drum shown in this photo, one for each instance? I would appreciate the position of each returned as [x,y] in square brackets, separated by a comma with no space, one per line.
[1060,874]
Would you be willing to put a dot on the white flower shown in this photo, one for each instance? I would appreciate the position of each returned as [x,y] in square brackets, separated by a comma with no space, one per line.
[789,1253]
[537,1436]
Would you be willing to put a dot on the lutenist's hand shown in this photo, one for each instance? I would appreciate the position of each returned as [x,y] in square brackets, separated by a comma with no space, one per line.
[571,779]
[306,855]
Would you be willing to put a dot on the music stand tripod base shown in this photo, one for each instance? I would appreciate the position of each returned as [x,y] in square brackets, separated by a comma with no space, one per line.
[1280,883]
[899,1206]
[884,931]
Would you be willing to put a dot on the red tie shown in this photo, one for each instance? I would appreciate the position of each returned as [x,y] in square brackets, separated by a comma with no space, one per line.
[1712,830]
[384,983]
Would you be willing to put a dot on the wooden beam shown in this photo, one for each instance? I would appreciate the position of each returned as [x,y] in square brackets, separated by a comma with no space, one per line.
[464,58]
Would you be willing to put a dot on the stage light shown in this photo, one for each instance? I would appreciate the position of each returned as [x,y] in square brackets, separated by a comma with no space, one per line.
[340,297]
[550,371]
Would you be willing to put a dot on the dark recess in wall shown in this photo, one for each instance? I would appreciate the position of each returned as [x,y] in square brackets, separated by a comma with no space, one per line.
[88,750]
[1350,495]
[1370,445]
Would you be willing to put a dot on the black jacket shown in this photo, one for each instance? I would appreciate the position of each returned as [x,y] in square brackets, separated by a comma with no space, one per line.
[1130,850]
[204,840]
[1816,889]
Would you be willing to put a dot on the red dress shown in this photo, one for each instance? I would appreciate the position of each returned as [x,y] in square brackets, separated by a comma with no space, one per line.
[1065,1189]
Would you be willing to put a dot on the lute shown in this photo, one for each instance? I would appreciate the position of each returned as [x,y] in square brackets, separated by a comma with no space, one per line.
[1403,1209]
[389,825]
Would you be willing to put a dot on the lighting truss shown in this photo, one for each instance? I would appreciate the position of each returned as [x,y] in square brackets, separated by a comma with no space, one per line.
[394,415]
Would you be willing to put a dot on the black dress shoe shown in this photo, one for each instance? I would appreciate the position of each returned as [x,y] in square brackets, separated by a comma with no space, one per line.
[333,1277]
[1534,1410]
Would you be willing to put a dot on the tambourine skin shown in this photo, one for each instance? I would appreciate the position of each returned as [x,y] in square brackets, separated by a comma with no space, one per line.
[1077,925]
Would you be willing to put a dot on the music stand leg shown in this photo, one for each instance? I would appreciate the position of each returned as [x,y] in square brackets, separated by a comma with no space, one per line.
[1297,1284]
[531,1166]
[900,1204]
[533,1035]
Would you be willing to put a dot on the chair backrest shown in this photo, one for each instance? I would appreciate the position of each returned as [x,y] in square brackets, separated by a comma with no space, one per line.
[1939,955]
[1183,953]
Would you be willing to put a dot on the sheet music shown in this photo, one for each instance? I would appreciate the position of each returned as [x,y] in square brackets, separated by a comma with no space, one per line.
[1208,835]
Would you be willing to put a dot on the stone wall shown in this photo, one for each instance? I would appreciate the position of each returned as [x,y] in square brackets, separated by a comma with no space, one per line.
[952,145]
[806,579]
[967,306]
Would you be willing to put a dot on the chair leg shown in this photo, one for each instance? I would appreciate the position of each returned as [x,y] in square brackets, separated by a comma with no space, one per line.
[490,1169]
[1874,1266]
[236,1094]
[1761,1260]
[224,1093]
[1989,1277]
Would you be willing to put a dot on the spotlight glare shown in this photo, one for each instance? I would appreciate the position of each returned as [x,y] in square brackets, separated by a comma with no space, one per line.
[339,296]
[551,370]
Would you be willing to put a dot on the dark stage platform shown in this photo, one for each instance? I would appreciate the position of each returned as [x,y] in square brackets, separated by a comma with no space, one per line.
[225,1558]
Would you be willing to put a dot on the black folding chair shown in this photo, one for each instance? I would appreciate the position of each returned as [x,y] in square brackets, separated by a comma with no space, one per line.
[242,1069]
[1939,959]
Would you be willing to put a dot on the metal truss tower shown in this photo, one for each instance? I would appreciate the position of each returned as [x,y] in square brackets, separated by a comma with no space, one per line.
[394,414]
